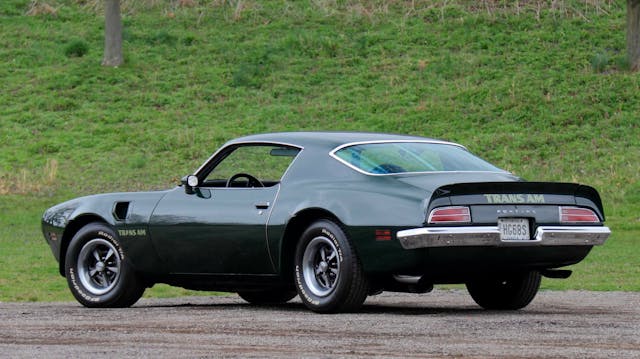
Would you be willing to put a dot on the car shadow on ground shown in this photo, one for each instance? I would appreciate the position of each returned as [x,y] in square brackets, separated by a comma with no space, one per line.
[409,308]
[366,309]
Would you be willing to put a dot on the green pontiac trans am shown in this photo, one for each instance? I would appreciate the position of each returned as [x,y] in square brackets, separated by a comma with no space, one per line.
[331,217]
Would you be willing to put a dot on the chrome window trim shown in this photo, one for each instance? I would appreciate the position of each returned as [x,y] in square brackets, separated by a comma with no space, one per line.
[246,143]
[437,142]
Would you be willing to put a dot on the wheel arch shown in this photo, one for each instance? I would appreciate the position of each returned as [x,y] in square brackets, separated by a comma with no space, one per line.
[293,231]
[72,228]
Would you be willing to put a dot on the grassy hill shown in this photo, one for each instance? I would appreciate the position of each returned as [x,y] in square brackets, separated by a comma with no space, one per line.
[537,87]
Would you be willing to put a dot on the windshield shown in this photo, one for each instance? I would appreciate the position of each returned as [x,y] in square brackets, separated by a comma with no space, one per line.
[402,157]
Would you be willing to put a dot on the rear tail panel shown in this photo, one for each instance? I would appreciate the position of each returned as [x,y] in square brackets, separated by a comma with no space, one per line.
[539,201]
[509,226]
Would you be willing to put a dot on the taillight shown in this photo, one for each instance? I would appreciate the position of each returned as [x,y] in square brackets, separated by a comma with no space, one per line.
[450,215]
[575,214]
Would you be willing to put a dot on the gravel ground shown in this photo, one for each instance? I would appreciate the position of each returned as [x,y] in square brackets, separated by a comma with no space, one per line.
[444,323]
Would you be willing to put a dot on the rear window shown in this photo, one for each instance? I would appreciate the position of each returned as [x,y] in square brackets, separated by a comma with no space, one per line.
[403,157]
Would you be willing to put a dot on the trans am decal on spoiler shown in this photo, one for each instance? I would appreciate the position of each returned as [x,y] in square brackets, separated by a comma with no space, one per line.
[514,198]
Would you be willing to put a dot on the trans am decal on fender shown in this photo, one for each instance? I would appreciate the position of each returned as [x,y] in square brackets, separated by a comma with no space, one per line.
[332,217]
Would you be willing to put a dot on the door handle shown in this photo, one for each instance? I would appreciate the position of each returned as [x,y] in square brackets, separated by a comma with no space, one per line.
[262,205]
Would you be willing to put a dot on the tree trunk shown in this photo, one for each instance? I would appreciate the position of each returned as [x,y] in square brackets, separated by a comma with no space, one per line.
[633,34]
[112,34]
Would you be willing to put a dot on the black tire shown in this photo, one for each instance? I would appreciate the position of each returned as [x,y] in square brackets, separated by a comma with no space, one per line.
[328,274]
[268,296]
[511,293]
[96,271]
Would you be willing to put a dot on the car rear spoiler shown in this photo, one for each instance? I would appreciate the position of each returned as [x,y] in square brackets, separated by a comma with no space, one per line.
[537,193]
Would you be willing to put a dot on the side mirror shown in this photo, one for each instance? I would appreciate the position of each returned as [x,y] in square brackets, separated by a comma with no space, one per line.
[192,181]
[189,182]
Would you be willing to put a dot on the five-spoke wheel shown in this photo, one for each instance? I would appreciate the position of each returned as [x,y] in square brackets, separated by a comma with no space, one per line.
[96,271]
[320,266]
[328,273]
[98,266]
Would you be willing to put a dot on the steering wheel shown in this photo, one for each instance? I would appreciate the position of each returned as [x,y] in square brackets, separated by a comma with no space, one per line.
[251,181]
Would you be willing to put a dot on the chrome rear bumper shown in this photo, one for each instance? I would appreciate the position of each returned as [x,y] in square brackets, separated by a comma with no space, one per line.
[489,236]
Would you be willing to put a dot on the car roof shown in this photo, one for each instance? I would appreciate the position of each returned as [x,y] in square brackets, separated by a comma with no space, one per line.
[329,140]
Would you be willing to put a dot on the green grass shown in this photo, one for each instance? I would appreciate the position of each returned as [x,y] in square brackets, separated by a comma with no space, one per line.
[536,88]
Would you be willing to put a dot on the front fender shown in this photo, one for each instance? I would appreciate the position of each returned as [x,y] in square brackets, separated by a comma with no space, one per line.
[127,213]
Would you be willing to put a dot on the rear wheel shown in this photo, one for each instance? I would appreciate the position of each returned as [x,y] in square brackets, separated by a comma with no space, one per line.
[268,296]
[96,271]
[328,273]
[509,293]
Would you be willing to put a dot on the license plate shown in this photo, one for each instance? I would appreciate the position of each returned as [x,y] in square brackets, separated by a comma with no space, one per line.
[514,229]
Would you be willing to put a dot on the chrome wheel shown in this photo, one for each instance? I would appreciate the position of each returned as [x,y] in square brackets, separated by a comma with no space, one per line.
[321,266]
[98,266]
[327,273]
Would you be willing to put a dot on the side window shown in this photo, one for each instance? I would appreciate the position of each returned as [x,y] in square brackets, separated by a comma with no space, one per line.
[268,163]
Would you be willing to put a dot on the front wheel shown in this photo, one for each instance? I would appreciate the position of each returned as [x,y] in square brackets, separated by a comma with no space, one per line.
[328,273]
[509,293]
[96,271]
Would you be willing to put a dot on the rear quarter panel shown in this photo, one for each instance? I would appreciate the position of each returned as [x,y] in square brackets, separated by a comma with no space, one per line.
[360,211]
